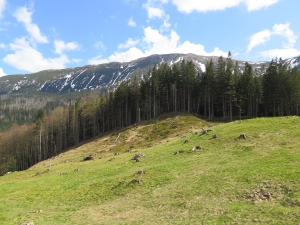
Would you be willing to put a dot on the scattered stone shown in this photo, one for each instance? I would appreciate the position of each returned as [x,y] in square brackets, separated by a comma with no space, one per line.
[262,194]
[63,173]
[180,151]
[140,172]
[8,172]
[206,131]
[37,173]
[186,141]
[76,170]
[138,160]
[117,153]
[138,157]
[196,147]
[242,136]
[215,136]
[111,159]
[135,180]
[90,157]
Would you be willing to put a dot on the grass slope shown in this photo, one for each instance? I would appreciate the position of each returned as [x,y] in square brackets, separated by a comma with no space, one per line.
[231,181]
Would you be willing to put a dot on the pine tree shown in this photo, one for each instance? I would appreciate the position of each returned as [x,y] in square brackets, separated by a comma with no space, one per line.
[230,84]
[221,84]
[208,81]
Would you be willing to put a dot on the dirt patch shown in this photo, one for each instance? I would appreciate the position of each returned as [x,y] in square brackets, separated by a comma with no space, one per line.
[266,191]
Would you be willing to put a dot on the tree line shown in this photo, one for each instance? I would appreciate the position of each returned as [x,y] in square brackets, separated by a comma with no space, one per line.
[223,90]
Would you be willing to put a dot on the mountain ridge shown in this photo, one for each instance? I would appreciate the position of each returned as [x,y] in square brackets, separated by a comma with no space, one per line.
[107,75]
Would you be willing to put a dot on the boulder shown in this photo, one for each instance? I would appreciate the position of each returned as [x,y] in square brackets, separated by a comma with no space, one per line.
[140,172]
[135,180]
[196,147]
[138,156]
[242,136]
[90,157]
[185,141]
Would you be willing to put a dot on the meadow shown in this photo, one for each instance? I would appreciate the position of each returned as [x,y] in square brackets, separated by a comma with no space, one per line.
[229,180]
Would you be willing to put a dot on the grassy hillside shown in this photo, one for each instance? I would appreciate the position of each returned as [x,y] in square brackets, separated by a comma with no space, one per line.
[229,181]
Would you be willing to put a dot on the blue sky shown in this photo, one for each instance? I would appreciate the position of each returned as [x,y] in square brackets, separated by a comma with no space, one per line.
[38,35]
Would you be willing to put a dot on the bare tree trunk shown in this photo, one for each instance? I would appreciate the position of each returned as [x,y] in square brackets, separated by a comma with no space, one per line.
[40,146]
[230,108]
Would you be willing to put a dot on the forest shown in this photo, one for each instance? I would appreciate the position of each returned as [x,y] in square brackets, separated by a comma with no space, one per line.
[222,91]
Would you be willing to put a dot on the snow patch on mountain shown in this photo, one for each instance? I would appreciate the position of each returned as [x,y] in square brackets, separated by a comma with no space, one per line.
[109,75]
[201,65]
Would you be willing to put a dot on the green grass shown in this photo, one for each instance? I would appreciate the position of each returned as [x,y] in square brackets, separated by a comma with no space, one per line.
[214,185]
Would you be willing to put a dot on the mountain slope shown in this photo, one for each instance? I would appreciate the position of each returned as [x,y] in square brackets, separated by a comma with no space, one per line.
[293,62]
[107,75]
[98,76]
[229,181]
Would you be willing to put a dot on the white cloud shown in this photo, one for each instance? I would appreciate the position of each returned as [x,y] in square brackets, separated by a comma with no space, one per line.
[2,73]
[157,43]
[188,6]
[163,1]
[281,53]
[129,43]
[25,57]
[154,9]
[130,54]
[99,45]
[61,46]
[131,22]
[166,25]
[97,60]
[76,60]
[259,4]
[265,35]
[2,7]
[284,30]
[3,46]
[259,38]
[154,12]
[287,49]
[23,15]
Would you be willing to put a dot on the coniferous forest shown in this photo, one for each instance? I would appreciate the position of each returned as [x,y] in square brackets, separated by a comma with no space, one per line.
[223,90]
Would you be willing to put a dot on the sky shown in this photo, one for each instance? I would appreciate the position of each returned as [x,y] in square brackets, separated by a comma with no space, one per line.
[38,35]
